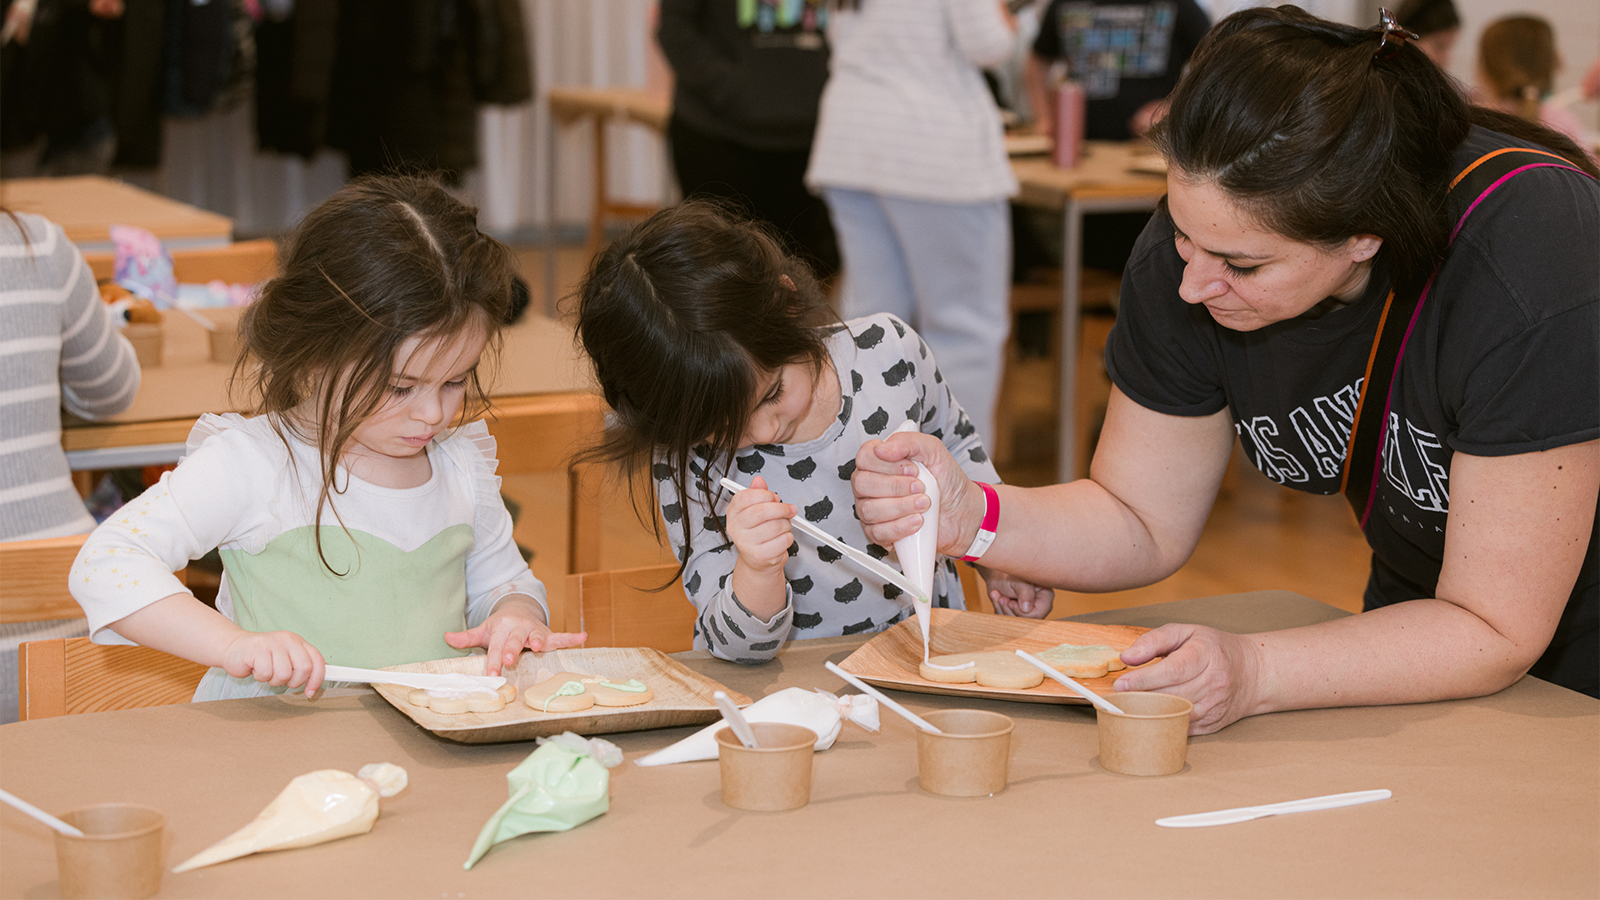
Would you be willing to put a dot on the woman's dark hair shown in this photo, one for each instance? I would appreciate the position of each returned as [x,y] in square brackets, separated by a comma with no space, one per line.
[682,317]
[385,259]
[1298,121]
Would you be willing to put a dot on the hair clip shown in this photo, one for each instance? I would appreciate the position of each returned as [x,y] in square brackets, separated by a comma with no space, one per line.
[1391,36]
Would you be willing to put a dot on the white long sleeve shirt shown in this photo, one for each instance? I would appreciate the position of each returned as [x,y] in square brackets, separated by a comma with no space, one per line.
[906,111]
[407,564]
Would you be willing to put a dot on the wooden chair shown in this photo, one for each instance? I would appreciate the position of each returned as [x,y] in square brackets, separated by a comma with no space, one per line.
[33,580]
[623,608]
[72,675]
[1021,393]
[243,262]
[67,676]
[541,433]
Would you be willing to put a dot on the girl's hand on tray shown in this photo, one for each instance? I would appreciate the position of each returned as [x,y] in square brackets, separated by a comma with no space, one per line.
[516,623]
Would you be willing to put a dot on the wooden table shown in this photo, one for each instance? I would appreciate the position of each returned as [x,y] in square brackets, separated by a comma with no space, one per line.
[86,206]
[1101,182]
[1493,797]
[538,358]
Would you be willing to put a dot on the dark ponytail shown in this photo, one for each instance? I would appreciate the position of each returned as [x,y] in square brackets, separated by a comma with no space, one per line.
[1299,121]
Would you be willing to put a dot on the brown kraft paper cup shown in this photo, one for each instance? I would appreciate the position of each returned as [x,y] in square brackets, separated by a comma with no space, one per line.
[119,855]
[224,340]
[148,340]
[972,758]
[775,775]
[1150,738]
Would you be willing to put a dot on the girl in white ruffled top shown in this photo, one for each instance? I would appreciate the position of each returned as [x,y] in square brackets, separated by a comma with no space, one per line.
[355,524]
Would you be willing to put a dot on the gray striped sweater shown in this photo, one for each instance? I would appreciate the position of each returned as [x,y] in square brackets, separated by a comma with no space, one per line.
[58,350]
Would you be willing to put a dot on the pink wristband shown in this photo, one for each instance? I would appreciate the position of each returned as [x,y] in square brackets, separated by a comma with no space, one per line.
[991,521]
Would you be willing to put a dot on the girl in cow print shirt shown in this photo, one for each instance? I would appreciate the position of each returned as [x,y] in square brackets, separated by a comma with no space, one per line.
[716,351]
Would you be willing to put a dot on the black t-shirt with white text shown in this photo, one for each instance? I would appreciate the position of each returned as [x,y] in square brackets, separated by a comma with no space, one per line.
[1504,359]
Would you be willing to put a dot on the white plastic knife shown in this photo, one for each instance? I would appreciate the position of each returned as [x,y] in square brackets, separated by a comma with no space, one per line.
[1246,813]
[880,569]
[438,681]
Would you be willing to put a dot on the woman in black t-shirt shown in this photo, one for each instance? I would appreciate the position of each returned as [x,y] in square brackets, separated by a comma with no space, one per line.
[1310,166]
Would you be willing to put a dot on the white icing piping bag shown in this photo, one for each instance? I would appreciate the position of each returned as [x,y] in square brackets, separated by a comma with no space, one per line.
[1082,691]
[910,716]
[918,553]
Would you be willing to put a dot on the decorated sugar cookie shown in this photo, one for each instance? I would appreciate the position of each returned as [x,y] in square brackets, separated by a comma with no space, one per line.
[995,668]
[454,703]
[621,693]
[562,692]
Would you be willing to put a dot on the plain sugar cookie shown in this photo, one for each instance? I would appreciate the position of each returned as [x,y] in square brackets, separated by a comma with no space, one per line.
[561,693]
[456,705]
[994,668]
[1077,661]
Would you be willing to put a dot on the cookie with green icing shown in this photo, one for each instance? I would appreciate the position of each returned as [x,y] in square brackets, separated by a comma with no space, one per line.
[632,692]
[563,692]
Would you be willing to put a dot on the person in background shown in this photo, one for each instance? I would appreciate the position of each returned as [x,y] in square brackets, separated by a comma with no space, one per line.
[1517,65]
[748,75]
[1128,56]
[910,155]
[1436,24]
[59,348]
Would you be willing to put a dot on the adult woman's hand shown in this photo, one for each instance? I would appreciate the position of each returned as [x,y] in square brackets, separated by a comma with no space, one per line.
[1214,670]
[890,500]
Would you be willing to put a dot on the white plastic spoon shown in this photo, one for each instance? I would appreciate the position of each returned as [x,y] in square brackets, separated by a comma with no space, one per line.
[1082,691]
[428,681]
[870,691]
[39,814]
[736,720]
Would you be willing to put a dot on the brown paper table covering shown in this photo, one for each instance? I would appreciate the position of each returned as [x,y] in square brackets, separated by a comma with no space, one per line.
[1493,797]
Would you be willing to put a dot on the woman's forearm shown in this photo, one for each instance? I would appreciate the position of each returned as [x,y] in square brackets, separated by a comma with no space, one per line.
[1412,652]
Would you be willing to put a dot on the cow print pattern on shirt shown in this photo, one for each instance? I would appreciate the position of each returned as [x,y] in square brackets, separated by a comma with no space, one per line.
[889,376]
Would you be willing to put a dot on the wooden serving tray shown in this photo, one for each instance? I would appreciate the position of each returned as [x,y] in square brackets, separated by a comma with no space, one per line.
[892,658]
[682,696]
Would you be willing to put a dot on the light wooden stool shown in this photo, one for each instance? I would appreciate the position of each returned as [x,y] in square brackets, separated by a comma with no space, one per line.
[1020,391]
